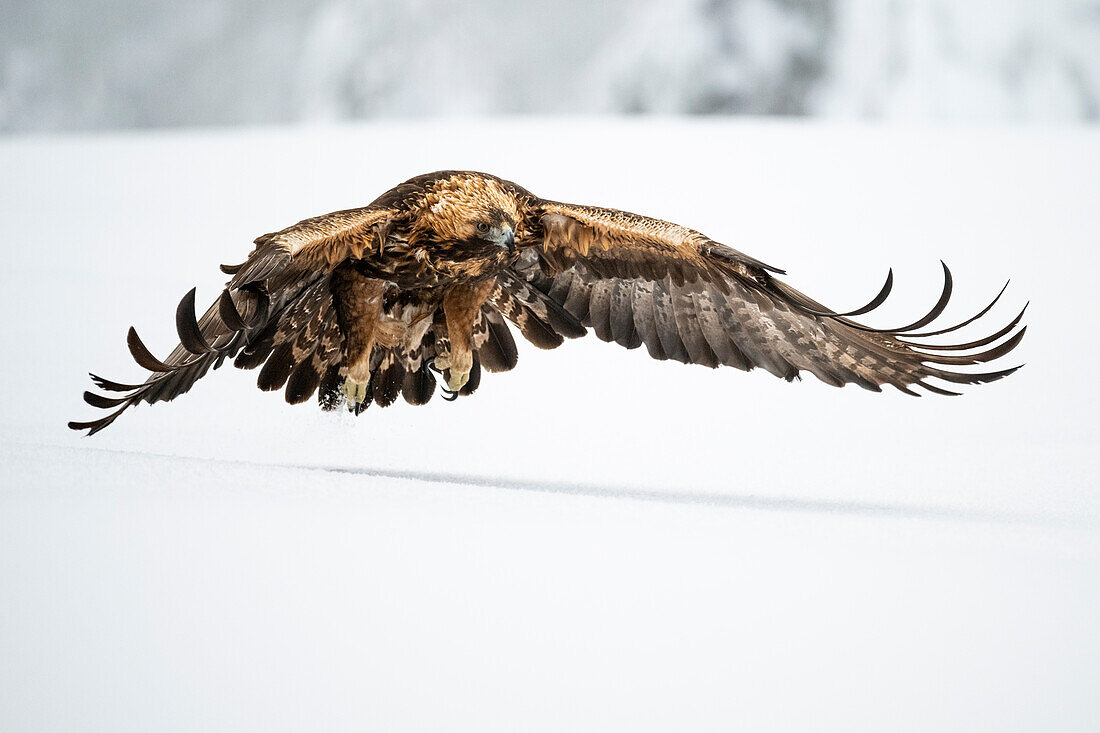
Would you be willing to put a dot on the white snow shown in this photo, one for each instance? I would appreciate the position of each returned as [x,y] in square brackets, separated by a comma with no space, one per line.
[106,64]
[595,540]
[978,60]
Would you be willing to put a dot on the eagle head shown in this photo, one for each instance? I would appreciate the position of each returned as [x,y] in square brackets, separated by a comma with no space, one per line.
[473,215]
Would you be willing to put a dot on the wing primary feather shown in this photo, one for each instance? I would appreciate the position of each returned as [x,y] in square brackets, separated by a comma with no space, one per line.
[932,315]
[968,378]
[95,426]
[142,355]
[985,356]
[967,322]
[111,386]
[229,314]
[971,344]
[188,326]
[875,302]
[105,403]
[937,390]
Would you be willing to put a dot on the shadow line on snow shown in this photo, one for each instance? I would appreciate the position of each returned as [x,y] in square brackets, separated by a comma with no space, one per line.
[666,496]
[704,498]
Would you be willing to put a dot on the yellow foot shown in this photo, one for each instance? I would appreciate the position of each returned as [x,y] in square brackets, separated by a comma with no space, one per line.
[458,369]
[457,379]
[356,393]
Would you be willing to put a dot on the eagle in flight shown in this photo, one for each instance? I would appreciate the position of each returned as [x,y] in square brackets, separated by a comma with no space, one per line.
[363,305]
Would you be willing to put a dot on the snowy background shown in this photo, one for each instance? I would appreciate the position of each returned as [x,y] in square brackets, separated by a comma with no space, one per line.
[594,541]
[97,64]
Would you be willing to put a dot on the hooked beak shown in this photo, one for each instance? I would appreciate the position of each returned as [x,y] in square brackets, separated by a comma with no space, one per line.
[508,239]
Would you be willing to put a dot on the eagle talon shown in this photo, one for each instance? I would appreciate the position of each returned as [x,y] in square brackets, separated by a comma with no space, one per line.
[356,394]
[433,364]
[457,380]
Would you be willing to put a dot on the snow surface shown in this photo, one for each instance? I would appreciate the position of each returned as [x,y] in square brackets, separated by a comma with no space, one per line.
[595,540]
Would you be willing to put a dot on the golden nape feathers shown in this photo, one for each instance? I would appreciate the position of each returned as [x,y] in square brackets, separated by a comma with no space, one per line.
[361,306]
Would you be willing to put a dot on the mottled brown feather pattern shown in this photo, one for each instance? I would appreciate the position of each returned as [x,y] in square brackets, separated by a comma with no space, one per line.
[362,293]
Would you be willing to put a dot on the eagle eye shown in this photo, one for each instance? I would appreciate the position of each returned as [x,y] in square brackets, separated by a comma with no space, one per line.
[483,227]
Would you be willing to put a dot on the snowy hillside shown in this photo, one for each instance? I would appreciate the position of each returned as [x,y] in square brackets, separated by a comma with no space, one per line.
[103,64]
[594,540]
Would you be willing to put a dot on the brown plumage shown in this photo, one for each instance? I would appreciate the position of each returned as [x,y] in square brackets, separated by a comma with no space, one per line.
[367,305]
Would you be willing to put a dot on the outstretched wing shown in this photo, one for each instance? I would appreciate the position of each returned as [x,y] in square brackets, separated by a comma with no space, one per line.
[277,310]
[636,280]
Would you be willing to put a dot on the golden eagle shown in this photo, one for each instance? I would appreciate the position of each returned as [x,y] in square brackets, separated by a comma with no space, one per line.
[363,305]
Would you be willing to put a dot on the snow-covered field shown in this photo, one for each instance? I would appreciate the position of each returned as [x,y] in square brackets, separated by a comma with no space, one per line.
[595,540]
